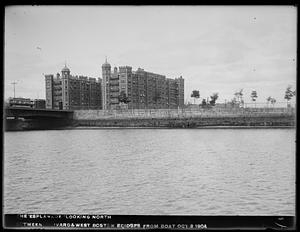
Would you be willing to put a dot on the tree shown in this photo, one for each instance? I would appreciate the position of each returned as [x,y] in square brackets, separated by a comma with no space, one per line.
[289,94]
[273,101]
[254,96]
[195,94]
[203,103]
[213,98]
[233,102]
[269,100]
[239,97]
[123,98]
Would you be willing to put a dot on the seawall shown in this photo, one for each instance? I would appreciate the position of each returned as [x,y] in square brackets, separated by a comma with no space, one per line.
[163,118]
[183,119]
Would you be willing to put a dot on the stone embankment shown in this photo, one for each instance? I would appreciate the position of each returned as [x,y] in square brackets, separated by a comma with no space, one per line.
[182,118]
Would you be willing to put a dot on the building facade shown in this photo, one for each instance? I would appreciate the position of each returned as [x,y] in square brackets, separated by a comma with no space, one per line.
[39,103]
[145,90]
[65,91]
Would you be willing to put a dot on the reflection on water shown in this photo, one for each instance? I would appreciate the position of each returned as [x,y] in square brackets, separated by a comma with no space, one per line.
[150,171]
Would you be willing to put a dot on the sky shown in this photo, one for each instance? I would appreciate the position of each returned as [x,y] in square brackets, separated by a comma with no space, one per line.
[214,48]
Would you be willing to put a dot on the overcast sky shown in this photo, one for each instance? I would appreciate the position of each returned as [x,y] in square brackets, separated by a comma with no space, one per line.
[214,48]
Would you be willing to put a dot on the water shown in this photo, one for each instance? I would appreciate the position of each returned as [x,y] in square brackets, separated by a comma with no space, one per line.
[151,171]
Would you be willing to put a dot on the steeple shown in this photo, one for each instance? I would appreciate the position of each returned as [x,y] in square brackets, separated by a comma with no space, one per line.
[106,75]
[106,64]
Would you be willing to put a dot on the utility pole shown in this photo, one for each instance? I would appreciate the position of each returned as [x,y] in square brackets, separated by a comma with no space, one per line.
[14,84]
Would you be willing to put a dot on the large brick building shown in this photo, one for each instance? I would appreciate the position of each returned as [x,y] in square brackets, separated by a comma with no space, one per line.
[145,90]
[72,92]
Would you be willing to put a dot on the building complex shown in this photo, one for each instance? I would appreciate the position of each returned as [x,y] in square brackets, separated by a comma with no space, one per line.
[143,90]
[72,92]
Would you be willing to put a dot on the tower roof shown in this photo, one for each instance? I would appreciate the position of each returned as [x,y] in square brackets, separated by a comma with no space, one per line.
[65,69]
[106,64]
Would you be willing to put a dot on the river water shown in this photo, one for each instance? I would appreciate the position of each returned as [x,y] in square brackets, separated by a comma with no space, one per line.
[150,171]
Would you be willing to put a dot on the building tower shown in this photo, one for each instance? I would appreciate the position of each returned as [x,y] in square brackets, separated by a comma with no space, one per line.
[180,91]
[106,74]
[65,73]
[49,91]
